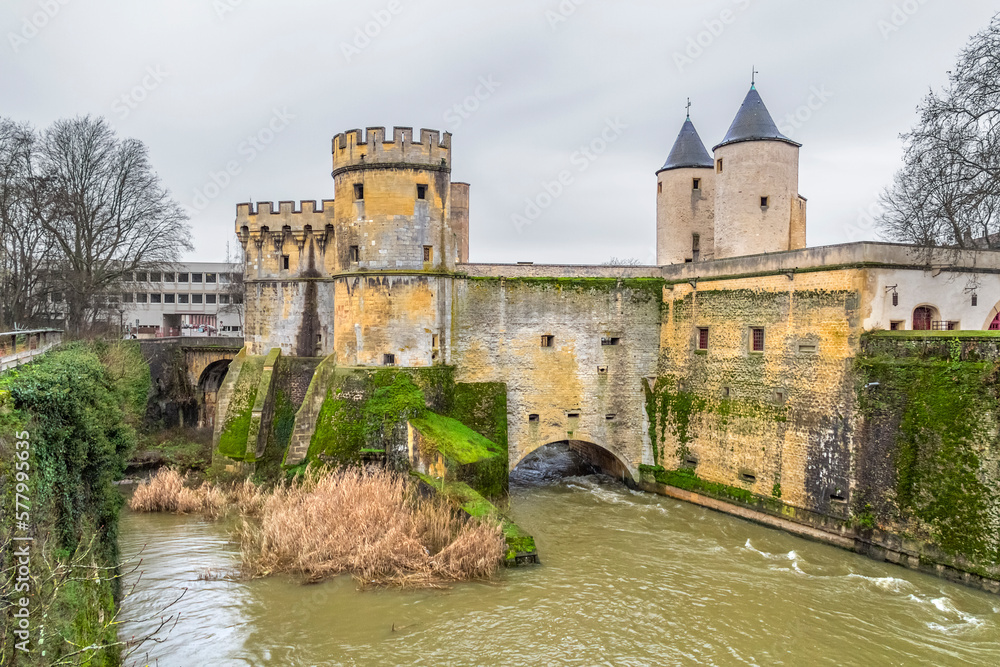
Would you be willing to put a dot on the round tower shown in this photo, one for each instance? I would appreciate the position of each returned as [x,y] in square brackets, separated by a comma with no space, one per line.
[685,201]
[393,201]
[757,204]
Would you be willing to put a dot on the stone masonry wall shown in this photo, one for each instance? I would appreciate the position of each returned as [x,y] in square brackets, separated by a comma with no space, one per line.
[578,388]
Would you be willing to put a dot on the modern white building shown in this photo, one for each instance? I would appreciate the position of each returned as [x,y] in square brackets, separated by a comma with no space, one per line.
[193,299]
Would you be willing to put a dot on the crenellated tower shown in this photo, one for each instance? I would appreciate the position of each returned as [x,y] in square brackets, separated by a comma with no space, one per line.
[361,276]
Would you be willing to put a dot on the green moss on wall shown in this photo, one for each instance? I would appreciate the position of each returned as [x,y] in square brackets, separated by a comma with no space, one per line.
[482,406]
[233,438]
[685,478]
[474,458]
[944,450]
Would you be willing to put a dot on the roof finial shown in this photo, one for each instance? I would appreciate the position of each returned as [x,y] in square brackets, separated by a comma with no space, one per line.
[689,109]
[753,77]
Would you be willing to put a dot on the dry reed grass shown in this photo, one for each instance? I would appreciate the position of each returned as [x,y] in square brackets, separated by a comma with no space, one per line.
[369,523]
[166,492]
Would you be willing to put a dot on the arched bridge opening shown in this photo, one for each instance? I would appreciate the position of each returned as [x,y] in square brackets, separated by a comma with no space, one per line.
[208,391]
[570,458]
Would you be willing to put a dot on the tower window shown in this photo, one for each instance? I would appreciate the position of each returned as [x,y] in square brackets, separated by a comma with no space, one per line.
[421,192]
[718,166]
[532,417]
[359,191]
[284,262]
[757,339]
[696,184]
[388,359]
[703,338]
[428,253]
[659,187]
[764,202]
[353,254]
[548,341]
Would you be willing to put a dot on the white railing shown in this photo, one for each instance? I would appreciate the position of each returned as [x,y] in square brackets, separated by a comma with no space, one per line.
[20,347]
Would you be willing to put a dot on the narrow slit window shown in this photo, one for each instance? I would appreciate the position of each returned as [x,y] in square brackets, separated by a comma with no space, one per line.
[610,340]
[284,262]
[696,184]
[434,341]
[747,476]
[703,338]
[548,341]
[757,339]
[659,187]
[726,392]
[573,415]
[359,191]
[764,202]
[421,192]
[428,253]
[718,166]
[353,254]
[533,418]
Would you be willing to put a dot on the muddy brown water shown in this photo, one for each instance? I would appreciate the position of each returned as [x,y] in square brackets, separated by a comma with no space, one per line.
[627,579]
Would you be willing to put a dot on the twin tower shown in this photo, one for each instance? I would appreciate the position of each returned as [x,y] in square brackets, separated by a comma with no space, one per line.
[745,201]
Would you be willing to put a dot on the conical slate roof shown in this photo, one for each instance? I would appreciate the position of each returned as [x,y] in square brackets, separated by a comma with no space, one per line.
[753,123]
[688,150]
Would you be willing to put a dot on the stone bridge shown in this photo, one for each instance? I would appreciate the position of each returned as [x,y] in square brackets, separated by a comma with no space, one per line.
[187,372]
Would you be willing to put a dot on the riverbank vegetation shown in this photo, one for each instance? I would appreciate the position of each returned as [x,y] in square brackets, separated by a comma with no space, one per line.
[75,408]
[371,523]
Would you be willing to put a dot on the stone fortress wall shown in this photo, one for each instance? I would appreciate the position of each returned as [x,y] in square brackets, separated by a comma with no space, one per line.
[735,375]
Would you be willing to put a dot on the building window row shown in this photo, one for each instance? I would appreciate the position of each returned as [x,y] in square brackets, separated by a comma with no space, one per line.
[155,297]
[173,277]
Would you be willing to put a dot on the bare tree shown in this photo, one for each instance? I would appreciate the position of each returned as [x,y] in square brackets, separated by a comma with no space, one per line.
[948,191]
[235,288]
[111,214]
[25,247]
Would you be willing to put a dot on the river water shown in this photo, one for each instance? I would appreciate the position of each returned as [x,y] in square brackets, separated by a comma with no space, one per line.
[626,578]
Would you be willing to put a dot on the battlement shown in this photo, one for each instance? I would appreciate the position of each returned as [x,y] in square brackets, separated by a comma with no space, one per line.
[356,150]
[262,217]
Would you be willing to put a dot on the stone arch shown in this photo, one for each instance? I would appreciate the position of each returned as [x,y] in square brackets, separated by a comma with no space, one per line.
[209,381]
[598,455]
[993,321]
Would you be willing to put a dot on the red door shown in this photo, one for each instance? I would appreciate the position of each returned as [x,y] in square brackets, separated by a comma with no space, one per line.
[922,319]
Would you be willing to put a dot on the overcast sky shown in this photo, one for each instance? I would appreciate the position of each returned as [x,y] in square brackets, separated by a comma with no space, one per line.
[534,82]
